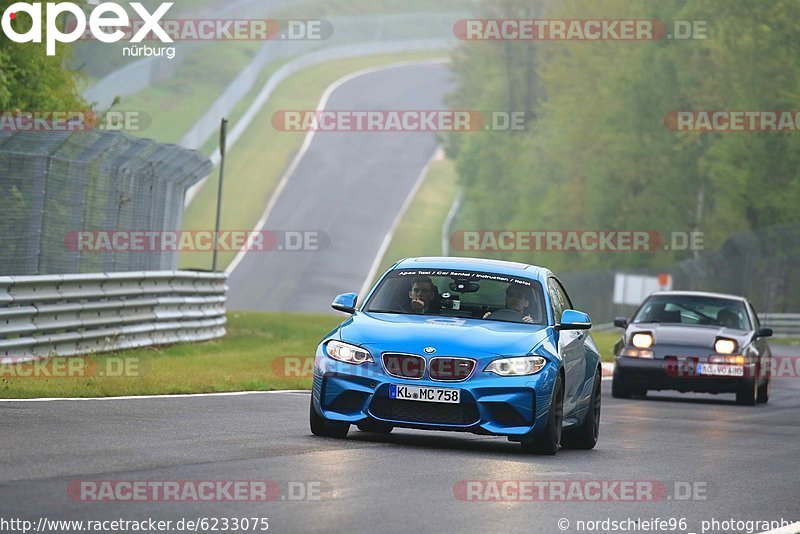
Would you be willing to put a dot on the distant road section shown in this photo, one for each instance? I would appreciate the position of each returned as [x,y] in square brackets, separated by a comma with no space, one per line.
[349,186]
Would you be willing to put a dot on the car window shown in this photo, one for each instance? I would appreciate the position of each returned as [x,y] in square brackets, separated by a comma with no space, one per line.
[694,310]
[469,294]
[565,300]
[556,297]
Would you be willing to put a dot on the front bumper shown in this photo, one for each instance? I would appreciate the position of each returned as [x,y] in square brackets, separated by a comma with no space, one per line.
[514,407]
[659,374]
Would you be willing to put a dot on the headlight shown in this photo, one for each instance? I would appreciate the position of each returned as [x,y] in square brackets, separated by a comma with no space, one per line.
[642,340]
[524,365]
[724,346]
[347,353]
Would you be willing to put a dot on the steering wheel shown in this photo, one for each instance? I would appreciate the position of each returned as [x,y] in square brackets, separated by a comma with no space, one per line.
[506,314]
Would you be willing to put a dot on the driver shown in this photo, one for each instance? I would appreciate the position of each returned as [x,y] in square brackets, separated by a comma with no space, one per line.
[424,296]
[517,299]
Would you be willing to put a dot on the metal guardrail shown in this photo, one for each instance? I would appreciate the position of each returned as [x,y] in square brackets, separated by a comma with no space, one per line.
[65,315]
[782,324]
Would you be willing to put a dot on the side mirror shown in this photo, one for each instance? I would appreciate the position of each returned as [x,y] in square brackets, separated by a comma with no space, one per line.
[574,320]
[620,322]
[764,332]
[346,302]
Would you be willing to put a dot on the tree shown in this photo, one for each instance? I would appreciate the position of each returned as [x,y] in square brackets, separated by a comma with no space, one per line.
[32,81]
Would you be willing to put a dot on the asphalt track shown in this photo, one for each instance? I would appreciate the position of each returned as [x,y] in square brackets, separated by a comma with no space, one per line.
[744,459]
[349,186]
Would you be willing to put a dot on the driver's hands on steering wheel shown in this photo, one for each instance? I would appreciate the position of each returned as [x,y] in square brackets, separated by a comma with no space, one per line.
[525,319]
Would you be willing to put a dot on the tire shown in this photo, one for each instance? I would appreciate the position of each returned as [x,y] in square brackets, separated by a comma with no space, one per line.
[548,442]
[375,427]
[322,427]
[585,436]
[619,390]
[747,395]
[762,396]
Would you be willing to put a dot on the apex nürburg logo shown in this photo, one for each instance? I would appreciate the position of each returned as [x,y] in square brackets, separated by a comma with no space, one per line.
[104,23]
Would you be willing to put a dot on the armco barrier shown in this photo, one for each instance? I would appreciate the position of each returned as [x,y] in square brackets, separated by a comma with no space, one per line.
[783,324]
[65,315]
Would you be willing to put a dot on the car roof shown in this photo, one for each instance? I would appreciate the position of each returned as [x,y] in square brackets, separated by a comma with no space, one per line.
[699,294]
[509,268]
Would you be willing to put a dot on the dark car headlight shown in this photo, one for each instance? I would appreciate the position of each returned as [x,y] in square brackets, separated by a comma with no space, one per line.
[517,366]
[344,352]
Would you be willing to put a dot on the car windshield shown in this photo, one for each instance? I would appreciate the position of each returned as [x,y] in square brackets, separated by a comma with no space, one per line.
[689,309]
[468,294]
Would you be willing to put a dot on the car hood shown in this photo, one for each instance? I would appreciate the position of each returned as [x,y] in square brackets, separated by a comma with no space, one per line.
[450,336]
[701,336]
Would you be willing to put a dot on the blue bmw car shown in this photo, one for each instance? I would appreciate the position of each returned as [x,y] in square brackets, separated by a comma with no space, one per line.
[458,344]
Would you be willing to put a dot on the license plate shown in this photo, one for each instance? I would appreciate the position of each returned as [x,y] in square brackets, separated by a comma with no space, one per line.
[424,394]
[715,369]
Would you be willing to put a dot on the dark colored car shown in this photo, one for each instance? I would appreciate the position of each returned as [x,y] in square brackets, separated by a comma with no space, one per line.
[693,341]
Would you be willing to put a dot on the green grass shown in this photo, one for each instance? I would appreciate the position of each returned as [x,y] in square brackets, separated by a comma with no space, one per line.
[256,163]
[248,358]
[173,105]
[605,344]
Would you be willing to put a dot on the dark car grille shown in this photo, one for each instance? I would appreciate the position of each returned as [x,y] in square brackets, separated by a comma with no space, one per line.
[451,369]
[404,365]
[425,412]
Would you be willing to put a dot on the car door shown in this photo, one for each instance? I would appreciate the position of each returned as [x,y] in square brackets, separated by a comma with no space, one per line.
[570,346]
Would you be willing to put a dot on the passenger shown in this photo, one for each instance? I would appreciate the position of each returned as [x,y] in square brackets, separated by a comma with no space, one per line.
[518,298]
